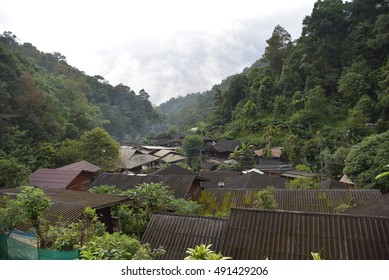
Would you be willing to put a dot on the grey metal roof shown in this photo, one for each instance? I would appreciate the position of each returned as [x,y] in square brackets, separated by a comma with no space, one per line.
[254,180]
[125,153]
[282,235]
[139,160]
[172,158]
[177,233]
[81,165]
[216,200]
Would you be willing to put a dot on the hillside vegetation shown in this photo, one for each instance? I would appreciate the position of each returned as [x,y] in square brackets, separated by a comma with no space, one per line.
[316,97]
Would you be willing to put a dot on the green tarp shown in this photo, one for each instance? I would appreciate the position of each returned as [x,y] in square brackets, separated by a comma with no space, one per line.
[12,249]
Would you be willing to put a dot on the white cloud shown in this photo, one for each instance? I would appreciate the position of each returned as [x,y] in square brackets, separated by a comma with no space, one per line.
[168,48]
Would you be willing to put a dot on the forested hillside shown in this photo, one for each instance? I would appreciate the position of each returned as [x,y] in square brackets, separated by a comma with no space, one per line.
[45,103]
[316,96]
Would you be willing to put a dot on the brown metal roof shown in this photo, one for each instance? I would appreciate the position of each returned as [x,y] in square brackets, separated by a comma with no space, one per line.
[68,205]
[225,146]
[254,180]
[179,184]
[281,235]
[333,184]
[53,178]
[122,181]
[81,165]
[374,207]
[216,177]
[174,169]
[177,233]
[215,200]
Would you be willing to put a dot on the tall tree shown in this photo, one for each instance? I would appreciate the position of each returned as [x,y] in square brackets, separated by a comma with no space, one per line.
[279,45]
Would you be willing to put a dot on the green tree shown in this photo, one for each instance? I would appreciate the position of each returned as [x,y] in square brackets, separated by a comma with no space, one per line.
[244,156]
[362,167]
[192,146]
[34,203]
[75,235]
[203,252]
[279,45]
[303,182]
[265,199]
[12,173]
[117,246]
[99,148]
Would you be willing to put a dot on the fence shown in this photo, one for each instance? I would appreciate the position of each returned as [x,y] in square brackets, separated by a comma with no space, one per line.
[13,249]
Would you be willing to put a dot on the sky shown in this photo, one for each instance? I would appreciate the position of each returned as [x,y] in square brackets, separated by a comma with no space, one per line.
[169,48]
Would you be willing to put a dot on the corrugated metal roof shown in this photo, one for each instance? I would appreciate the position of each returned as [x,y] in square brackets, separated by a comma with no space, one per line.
[224,146]
[171,158]
[68,205]
[139,160]
[320,201]
[54,178]
[177,233]
[125,153]
[297,174]
[162,153]
[333,184]
[81,165]
[179,184]
[254,180]
[374,207]
[122,181]
[216,177]
[174,169]
[281,235]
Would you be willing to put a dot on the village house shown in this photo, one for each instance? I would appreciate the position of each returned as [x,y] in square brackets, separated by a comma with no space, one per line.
[76,176]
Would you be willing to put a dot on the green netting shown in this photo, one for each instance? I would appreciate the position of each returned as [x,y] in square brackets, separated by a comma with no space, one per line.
[46,254]
[13,249]
[3,247]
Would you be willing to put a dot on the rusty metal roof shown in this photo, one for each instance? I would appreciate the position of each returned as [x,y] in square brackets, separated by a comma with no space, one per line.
[254,180]
[215,200]
[177,233]
[374,207]
[54,178]
[282,235]
[81,165]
